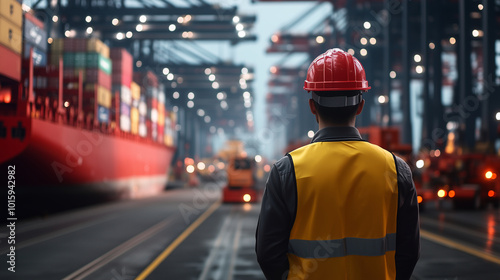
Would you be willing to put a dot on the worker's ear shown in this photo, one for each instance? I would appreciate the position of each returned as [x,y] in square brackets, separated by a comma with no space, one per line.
[360,107]
[312,107]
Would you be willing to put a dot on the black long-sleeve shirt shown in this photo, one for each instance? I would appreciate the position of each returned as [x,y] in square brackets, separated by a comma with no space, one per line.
[279,206]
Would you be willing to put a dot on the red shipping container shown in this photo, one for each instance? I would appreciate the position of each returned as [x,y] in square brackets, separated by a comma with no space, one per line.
[146,79]
[122,62]
[97,76]
[10,64]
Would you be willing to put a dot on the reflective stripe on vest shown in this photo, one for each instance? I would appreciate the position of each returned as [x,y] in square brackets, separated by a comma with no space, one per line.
[345,225]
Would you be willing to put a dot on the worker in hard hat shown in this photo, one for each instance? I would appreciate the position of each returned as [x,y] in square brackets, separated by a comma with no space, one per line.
[339,207]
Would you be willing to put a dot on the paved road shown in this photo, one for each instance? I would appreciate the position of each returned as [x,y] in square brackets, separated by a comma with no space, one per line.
[188,234]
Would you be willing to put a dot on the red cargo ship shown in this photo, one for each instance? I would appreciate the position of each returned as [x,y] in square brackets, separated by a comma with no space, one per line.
[66,141]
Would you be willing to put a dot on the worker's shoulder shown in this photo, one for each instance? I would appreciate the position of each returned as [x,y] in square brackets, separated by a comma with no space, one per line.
[284,164]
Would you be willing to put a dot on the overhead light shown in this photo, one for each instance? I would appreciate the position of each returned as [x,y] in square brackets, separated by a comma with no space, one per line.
[187,18]
[351,51]
[115,22]
[172,27]
[88,18]
[242,34]
[175,95]
[89,30]
[432,45]
[120,36]
[244,70]
[363,52]
[191,95]
[55,18]
[180,19]
[275,38]
[367,25]
[207,119]
[373,40]
[200,112]
[382,99]
[139,28]
[208,71]
[170,76]
[166,71]
[236,19]
[239,27]
[215,85]
[223,104]
[417,58]
[480,7]
[497,116]
[129,34]
[138,63]
[320,39]
[453,40]
[143,18]
[220,95]
[419,69]
[190,104]
[246,95]
[363,41]
[211,77]
[310,134]
[392,74]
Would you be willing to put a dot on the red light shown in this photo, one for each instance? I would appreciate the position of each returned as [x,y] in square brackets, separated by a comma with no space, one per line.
[451,194]
[419,199]
[491,193]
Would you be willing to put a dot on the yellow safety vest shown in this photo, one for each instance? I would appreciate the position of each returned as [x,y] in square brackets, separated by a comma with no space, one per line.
[347,201]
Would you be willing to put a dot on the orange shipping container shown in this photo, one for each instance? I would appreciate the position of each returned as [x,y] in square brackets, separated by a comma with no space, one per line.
[12,11]
[136,91]
[96,45]
[11,35]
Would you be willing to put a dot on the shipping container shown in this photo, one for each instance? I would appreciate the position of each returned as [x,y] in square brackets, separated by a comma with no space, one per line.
[134,115]
[125,124]
[146,79]
[95,45]
[143,131]
[124,92]
[80,60]
[11,35]
[124,109]
[10,64]
[97,76]
[143,108]
[103,94]
[135,89]
[34,32]
[39,56]
[122,66]
[57,45]
[12,11]
[96,60]
[103,114]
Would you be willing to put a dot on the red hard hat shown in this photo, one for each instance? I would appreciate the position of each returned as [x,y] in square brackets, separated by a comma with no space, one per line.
[336,70]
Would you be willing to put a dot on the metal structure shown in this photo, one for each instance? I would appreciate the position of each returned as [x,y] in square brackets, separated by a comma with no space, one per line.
[163,37]
[433,73]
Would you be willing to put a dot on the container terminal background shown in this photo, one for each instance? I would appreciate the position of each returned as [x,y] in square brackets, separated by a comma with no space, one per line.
[136,136]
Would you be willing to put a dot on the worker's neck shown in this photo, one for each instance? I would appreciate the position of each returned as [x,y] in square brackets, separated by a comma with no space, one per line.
[323,124]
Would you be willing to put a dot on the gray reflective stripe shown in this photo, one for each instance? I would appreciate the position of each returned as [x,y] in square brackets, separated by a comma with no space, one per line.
[337,101]
[318,249]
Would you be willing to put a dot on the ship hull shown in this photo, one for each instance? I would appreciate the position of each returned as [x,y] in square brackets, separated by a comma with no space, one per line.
[58,159]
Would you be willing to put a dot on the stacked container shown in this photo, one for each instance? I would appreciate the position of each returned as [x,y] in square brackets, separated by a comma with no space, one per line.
[91,57]
[135,90]
[11,22]
[148,104]
[161,114]
[35,38]
[122,80]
